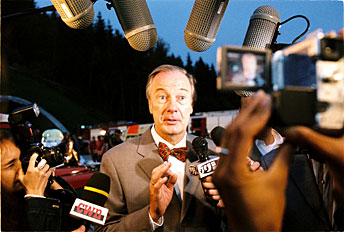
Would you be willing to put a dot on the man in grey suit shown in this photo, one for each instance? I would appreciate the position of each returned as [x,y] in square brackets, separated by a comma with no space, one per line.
[146,193]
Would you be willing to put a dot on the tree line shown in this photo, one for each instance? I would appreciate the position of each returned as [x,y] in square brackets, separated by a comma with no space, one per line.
[92,75]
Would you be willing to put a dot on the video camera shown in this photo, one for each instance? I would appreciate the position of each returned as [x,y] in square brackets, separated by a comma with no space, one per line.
[28,139]
[305,80]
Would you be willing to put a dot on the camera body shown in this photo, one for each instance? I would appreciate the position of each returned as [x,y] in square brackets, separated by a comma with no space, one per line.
[305,80]
[28,139]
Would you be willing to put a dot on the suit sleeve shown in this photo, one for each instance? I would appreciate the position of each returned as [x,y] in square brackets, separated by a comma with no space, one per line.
[118,218]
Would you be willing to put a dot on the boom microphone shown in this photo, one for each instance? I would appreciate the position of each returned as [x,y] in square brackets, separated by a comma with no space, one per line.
[203,24]
[263,26]
[137,23]
[77,14]
[93,197]
[261,33]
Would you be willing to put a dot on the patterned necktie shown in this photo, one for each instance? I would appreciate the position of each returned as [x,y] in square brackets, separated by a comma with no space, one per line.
[179,153]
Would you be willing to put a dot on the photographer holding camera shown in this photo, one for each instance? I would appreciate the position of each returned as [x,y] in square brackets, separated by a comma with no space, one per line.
[25,202]
[32,198]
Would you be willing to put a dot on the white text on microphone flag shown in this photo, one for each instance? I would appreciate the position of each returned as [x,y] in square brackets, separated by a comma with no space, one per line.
[88,211]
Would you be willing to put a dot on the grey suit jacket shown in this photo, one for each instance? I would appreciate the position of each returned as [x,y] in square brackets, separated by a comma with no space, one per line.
[130,167]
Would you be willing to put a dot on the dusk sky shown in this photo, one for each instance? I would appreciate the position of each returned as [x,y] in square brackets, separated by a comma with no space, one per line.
[171,16]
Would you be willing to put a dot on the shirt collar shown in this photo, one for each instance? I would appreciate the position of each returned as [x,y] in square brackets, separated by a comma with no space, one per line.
[157,139]
[264,149]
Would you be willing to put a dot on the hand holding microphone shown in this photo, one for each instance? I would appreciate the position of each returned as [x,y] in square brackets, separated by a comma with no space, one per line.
[204,168]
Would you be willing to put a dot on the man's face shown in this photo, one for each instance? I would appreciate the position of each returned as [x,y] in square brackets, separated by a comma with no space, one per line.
[170,103]
[249,64]
[10,167]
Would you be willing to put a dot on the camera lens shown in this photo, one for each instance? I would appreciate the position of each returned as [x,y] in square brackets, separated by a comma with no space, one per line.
[53,156]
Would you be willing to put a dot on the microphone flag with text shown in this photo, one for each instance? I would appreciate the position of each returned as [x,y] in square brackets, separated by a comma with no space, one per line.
[77,14]
[93,197]
[137,23]
[204,23]
[205,166]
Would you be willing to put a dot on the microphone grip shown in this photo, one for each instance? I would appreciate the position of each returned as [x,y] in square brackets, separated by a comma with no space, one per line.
[203,170]
[206,193]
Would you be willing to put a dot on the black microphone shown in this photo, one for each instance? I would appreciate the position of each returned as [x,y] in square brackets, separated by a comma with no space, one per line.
[93,197]
[137,23]
[203,24]
[205,166]
[263,28]
[77,14]
[216,135]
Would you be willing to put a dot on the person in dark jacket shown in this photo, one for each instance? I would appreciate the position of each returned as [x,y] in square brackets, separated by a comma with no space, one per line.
[26,204]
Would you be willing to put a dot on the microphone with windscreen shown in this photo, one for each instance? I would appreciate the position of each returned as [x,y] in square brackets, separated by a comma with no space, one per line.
[137,23]
[77,14]
[261,33]
[95,194]
[263,27]
[203,24]
[216,135]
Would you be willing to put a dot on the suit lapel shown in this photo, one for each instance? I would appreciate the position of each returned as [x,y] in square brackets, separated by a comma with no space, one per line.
[255,153]
[192,188]
[302,174]
[148,149]
[192,184]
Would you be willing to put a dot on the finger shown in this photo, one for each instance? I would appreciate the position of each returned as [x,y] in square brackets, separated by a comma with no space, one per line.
[326,147]
[280,167]
[220,204]
[41,164]
[216,197]
[21,175]
[213,192]
[254,166]
[250,121]
[159,171]
[172,180]
[82,228]
[32,161]
[208,185]
[45,169]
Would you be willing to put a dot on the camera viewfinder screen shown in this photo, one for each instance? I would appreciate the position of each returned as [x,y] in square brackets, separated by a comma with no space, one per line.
[246,69]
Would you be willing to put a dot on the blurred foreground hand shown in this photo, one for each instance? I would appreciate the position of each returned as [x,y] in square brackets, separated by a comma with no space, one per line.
[254,201]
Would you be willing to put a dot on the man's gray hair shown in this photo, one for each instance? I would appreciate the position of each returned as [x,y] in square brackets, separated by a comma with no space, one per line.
[172,68]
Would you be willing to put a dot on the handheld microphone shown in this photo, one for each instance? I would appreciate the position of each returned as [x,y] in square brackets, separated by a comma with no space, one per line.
[263,28]
[93,197]
[216,135]
[137,23]
[203,24]
[205,166]
[77,14]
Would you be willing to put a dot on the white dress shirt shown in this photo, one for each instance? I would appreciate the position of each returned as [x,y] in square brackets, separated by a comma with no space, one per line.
[177,167]
[265,149]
